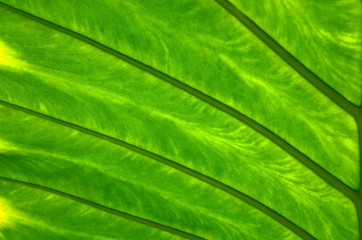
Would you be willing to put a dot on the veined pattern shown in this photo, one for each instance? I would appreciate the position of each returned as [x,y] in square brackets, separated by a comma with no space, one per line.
[57,75]
[330,44]
[216,48]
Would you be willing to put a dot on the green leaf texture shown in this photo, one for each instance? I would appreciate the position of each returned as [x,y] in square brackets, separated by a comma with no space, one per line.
[193,119]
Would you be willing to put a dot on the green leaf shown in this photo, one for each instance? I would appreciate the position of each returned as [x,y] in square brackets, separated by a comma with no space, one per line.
[179,119]
[324,35]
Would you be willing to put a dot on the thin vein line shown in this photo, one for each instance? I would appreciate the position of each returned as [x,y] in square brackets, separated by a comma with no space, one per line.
[352,109]
[314,167]
[322,173]
[290,59]
[359,200]
[359,124]
[105,209]
[273,214]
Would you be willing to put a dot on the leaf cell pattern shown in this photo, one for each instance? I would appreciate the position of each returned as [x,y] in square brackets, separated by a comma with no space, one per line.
[175,119]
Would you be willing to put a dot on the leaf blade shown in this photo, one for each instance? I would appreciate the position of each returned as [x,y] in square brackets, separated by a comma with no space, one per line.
[49,87]
[330,31]
[242,80]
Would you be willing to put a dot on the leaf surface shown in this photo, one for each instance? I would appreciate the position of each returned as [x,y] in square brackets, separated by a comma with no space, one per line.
[330,44]
[211,155]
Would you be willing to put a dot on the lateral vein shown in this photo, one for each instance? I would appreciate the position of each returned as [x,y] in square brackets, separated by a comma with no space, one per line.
[271,213]
[106,209]
[314,167]
[319,171]
[354,110]
[290,59]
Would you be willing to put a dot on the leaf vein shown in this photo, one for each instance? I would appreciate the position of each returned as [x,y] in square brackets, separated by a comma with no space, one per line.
[106,209]
[324,88]
[290,59]
[314,167]
[270,212]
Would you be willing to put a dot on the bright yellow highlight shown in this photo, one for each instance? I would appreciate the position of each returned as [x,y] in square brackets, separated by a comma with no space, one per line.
[7,147]
[2,215]
[8,215]
[8,57]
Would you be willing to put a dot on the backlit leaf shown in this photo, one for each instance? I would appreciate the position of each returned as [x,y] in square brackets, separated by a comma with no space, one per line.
[180,119]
